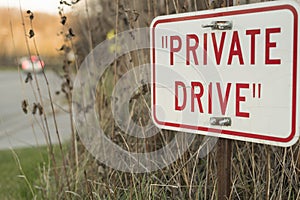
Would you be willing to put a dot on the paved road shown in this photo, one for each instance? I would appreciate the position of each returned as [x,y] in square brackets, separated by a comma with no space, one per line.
[18,129]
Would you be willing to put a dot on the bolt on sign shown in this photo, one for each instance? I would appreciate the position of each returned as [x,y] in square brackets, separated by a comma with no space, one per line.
[230,72]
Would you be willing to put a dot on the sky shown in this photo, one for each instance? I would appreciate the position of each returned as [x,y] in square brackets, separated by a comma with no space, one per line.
[48,6]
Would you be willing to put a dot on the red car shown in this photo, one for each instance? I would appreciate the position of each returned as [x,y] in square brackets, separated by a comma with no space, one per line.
[31,64]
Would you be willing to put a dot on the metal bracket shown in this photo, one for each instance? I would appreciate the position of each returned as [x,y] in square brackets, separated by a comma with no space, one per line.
[220,121]
[219,25]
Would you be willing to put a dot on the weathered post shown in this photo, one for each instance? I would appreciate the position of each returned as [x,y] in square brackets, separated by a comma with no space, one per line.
[224,160]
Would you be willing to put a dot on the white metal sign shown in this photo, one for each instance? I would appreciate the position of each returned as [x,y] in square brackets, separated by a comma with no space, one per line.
[230,72]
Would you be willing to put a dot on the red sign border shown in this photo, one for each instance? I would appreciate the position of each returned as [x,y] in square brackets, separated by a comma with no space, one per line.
[232,13]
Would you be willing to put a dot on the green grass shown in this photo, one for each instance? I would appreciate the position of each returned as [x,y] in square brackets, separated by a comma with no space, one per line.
[13,185]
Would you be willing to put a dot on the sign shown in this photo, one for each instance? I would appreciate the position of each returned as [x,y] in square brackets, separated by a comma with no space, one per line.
[230,72]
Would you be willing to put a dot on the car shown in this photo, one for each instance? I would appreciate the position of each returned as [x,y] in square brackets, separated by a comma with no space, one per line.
[32,64]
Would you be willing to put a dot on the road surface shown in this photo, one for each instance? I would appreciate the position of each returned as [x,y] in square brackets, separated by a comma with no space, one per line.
[18,129]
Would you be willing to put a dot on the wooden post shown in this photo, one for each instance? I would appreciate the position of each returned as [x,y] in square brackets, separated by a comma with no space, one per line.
[224,160]
[224,168]
[224,145]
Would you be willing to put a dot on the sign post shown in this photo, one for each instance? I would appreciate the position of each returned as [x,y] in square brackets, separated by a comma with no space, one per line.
[231,73]
[224,164]
[224,168]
